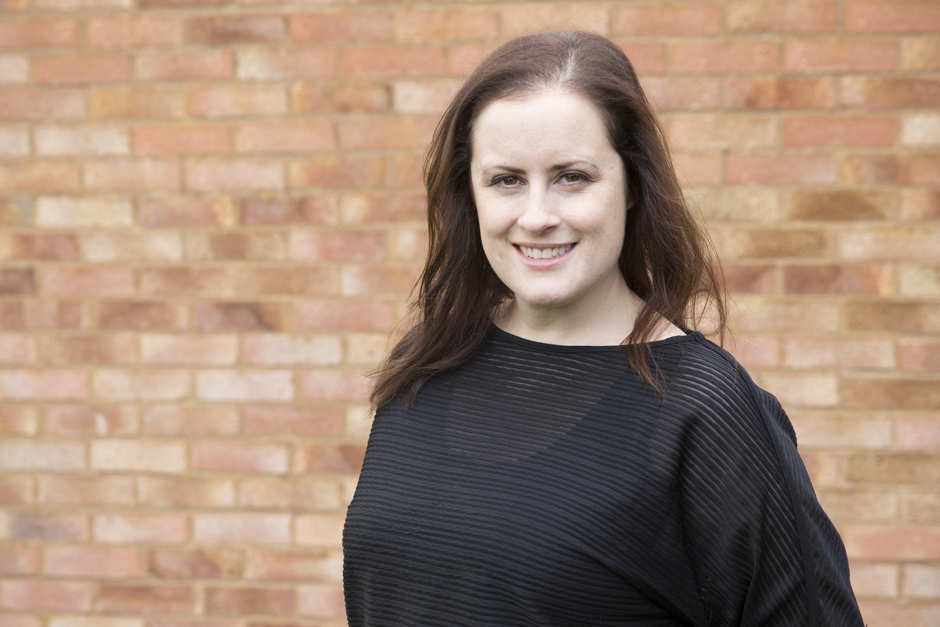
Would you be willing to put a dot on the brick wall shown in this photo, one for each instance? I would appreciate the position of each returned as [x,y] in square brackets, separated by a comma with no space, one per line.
[211,217]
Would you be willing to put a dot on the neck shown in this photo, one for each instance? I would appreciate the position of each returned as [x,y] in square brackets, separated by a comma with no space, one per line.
[605,321]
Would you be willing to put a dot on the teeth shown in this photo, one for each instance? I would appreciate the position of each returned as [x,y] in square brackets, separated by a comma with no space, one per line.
[544,253]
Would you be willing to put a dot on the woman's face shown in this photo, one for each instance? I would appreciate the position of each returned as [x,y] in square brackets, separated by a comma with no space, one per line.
[550,194]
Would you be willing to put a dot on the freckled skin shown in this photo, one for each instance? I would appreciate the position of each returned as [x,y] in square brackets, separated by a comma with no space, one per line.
[544,174]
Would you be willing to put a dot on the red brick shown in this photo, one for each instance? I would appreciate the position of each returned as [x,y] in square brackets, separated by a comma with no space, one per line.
[132,175]
[344,314]
[186,211]
[520,19]
[282,421]
[839,131]
[370,280]
[293,566]
[750,278]
[87,282]
[132,32]
[85,490]
[450,25]
[237,101]
[284,137]
[187,281]
[366,349]
[117,247]
[464,58]
[908,168]
[140,315]
[36,314]
[17,349]
[178,349]
[370,25]
[920,130]
[17,490]
[257,244]
[139,102]
[279,349]
[319,530]
[262,64]
[233,174]
[148,385]
[19,560]
[17,418]
[338,245]
[773,92]
[875,580]
[893,613]
[91,562]
[236,457]
[14,140]
[890,393]
[319,209]
[901,242]
[176,139]
[889,93]
[920,53]
[89,349]
[845,506]
[18,281]
[140,528]
[345,98]
[190,419]
[881,315]
[683,93]
[754,350]
[790,17]
[410,245]
[138,455]
[647,57]
[71,69]
[873,542]
[799,389]
[82,211]
[241,29]
[425,96]
[740,56]
[47,384]
[332,172]
[316,458]
[828,351]
[39,246]
[321,601]
[392,61]
[841,205]
[773,169]
[383,207]
[24,594]
[666,19]
[195,564]
[891,17]
[173,65]
[839,279]
[921,581]
[288,281]
[711,131]
[840,55]
[40,176]
[48,527]
[294,493]
[766,314]
[919,355]
[252,385]
[42,455]
[189,491]
[42,104]
[917,432]
[245,601]
[243,528]
[919,280]
[38,33]
[402,132]
[145,600]
[181,4]
[240,316]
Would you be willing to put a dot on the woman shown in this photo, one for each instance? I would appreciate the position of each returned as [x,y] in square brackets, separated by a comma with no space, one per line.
[552,445]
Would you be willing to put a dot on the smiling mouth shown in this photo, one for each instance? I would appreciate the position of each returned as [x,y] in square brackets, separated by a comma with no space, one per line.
[544,253]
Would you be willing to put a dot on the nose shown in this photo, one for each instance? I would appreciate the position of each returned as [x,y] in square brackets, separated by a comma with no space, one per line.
[538,215]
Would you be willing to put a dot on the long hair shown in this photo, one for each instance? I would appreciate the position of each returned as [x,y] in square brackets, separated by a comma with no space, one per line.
[665,259]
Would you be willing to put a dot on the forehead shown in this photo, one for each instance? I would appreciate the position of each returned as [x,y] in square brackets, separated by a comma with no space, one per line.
[546,120]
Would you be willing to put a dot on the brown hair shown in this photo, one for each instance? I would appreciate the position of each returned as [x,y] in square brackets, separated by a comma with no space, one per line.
[666,256]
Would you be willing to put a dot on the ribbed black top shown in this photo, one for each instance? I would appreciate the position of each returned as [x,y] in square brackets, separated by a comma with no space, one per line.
[549,485]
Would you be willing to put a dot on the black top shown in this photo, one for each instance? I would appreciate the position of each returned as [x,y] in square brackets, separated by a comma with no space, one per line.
[550,485]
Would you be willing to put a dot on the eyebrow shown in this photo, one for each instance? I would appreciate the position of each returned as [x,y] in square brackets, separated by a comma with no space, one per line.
[554,168]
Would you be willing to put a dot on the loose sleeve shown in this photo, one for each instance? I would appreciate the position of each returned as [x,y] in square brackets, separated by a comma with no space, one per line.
[763,551]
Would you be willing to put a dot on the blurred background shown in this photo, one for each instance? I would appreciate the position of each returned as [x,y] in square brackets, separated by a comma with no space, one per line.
[211,215]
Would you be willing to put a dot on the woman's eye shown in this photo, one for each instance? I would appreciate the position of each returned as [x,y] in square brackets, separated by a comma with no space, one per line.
[573,177]
[506,181]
